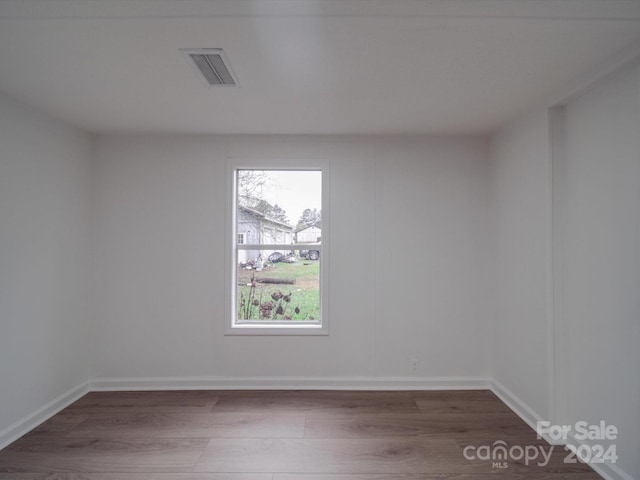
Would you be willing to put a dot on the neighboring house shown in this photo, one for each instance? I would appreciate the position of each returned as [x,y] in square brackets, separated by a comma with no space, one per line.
[312,234]
[255,227]
[309,235]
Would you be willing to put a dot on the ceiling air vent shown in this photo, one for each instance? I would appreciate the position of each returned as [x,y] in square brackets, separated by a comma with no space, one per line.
[212,66]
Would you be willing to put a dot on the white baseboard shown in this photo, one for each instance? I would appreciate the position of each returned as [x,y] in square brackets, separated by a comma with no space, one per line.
[291,383]
[609,471]
[19,428]
[519,407]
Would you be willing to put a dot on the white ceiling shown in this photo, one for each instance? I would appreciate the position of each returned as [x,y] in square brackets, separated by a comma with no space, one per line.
[304,67]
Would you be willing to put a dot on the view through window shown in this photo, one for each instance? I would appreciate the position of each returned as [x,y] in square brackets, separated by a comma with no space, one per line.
[278,232]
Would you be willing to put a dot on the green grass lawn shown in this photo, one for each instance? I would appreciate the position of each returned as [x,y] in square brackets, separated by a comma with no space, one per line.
[303,295]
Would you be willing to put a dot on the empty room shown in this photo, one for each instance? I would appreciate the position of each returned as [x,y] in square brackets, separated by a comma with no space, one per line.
[319,239]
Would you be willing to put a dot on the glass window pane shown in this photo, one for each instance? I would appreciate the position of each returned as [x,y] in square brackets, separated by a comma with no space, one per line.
[285,288]
[279,206]
[279,210]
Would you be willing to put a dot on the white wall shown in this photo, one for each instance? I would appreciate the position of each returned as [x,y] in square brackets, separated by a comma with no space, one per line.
[432,294]
[521,208]
[599,325]
[160,206]
[44,260]
[595,331]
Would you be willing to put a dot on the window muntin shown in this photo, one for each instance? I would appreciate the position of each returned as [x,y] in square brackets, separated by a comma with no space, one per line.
[277,279]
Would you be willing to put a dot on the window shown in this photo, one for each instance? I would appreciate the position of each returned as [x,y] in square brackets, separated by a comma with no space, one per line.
[278,264]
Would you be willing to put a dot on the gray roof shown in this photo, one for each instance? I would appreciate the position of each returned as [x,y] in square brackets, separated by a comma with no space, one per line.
[259,214]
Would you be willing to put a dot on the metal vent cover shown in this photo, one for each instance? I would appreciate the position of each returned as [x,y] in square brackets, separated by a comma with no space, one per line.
[211,65]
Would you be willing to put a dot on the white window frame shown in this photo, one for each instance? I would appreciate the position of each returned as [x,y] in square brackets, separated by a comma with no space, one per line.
[264,327]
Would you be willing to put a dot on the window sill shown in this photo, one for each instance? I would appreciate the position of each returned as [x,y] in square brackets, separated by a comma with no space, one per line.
[276,329]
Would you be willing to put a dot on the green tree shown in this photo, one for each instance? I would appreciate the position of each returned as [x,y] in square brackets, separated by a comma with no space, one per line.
[309,218]
[251,184]
[279,214]
[274,212]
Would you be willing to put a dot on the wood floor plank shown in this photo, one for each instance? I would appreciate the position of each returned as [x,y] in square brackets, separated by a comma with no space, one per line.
[332,456]
[436,476]
[348,401]
[460,401]
[191,425]
[59,424]
[196,401]
[96,455]
[458,426]
[135,476]
[455,395]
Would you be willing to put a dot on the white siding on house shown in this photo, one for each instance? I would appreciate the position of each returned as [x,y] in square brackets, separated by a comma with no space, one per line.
[257,229]
[309,235]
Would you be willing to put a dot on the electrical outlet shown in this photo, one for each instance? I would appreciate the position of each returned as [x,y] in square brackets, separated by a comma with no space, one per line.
[414,365]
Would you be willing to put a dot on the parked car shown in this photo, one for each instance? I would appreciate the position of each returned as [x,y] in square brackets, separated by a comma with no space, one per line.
[276,257]
[310,254]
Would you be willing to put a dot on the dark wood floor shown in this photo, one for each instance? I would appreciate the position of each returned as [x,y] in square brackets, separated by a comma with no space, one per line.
[278,435]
